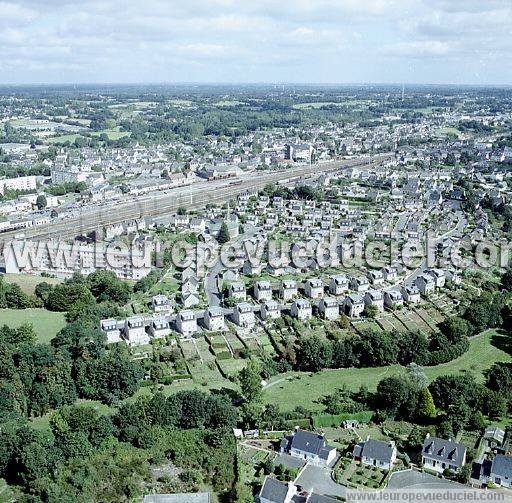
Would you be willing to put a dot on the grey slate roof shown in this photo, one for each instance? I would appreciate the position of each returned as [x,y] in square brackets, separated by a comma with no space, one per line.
[376,449]
[443,450]
[274,490]
[313,443]
[502,466]
[318,498]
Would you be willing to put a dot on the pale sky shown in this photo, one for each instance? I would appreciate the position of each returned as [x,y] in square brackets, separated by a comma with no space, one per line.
[309,41]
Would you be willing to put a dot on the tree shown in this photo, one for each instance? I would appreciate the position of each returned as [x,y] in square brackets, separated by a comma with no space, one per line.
[41,202]
[224,236]
[250,381]
[314,354]
[426,406]
[371,311]
[455,328]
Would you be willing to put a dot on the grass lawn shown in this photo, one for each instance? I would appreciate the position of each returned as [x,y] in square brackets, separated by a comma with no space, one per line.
[45,323]
[28,282]
[307,389]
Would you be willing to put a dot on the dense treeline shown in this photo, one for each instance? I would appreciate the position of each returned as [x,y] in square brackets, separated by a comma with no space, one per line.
[89,456]
[36,378]
[375,349]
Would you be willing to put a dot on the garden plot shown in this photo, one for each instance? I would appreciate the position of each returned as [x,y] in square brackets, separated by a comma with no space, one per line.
[364,325]
[236,344]
[232,366]
[203,349]
[412,321]
[205,374]
[425,315]
[390,323]
[266,344]
[443,304]
[189,349]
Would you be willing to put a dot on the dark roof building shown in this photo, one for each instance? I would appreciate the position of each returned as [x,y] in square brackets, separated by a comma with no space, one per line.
[439,454]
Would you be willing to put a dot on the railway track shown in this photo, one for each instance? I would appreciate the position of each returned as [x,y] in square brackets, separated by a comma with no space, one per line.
[191,197]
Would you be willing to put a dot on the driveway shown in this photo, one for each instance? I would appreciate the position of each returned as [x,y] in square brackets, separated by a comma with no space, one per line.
[318,479]
[411,479]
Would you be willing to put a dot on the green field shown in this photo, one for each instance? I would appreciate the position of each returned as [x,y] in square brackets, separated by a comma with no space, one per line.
[45,323]
[28,282]
[307,390]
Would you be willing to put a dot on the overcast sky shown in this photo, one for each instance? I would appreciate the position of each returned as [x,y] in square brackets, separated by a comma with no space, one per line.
[327,41]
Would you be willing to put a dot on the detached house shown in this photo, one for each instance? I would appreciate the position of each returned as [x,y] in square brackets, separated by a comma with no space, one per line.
[314,288]
[329,308]
[243,315]
[110,328]
[159,328]
[338,285]
[425,284]
[237,291]
[438,454]
[439,277]
[354,305]
[288,290]
[393,298]
[376,277]
[161,304]
[376,453]
[498,471]
[301,309]
[186,322]
[271,309]
[374,298]
[411,294]
[359,284]
[262,290]
[310,446]
[135,331]
[214,318]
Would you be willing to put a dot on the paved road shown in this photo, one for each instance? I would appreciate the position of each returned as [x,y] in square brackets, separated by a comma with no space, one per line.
[412,479]
[318,479]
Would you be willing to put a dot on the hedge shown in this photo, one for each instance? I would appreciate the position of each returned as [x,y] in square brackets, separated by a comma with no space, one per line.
[333,420]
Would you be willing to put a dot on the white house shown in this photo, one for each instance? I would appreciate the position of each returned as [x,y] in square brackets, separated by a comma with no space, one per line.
[214,318]
[135,331]
[439,277]
[374,298]
[186,322]
[270,309]
[312,447]
[425,283]
[390,273]
[301,309]
[393,298]
[111,330]
[411,294]
[354,305]
[243,315]
[329,308]
[376,453]
[314,288]
[338,285]
[262,290]
[359,284]
[288,290]
[439,454]
[161,304]
[376,277]
[237,291]
[159,328]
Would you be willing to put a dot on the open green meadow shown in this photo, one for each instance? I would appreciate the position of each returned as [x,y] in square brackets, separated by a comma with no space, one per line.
[45,323]
[307,389]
